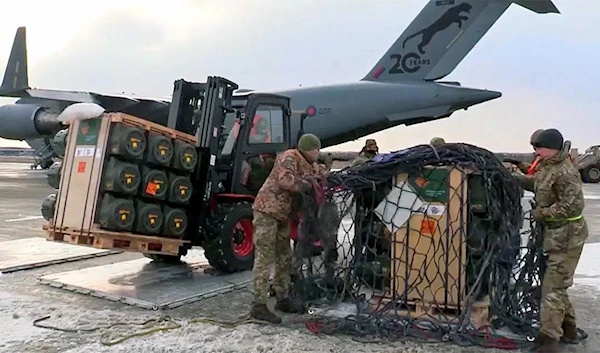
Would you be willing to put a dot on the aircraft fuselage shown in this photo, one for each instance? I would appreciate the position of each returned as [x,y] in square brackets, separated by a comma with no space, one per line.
[343,112]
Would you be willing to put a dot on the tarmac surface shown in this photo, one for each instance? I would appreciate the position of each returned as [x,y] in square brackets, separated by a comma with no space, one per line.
[22,300]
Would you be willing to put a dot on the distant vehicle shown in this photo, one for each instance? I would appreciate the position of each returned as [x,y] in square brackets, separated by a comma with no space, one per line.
[589,165]
[403,88]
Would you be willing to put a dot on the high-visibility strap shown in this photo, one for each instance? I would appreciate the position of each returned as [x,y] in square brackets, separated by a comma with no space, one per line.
[570,219]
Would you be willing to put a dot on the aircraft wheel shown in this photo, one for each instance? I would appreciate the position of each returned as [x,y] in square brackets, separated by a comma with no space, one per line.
[591,174]
[47,164]
[229,247]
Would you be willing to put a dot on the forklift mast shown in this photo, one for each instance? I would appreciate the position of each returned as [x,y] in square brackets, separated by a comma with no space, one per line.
[238,139]
[199,109]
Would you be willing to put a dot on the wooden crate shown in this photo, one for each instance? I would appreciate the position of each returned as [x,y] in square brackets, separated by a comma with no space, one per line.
[152,127]
[479,313]
[428,250]
[103,239]
[81,176]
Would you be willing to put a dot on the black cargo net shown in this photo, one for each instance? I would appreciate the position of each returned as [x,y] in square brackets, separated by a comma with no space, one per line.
[432,244]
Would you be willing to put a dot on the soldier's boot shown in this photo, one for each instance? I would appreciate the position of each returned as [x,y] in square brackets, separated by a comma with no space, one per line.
[261,312]
[545,344]
[569,333]
[290,306]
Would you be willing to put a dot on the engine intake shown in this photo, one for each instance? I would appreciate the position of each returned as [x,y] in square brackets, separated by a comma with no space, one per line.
[26,121]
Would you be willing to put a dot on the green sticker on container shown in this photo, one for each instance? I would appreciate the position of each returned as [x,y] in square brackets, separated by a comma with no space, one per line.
[87,132]
[432,185]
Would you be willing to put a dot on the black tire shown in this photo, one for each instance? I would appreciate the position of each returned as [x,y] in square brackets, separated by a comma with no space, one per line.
[591,174]
[47,164]
[219,247]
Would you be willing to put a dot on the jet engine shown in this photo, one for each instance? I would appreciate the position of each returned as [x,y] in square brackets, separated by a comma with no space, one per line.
[27,121]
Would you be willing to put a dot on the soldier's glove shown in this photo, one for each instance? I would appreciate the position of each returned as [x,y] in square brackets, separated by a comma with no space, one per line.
[537,214]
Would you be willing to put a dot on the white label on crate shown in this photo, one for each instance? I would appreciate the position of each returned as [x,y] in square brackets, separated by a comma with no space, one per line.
[84,151]
[397,207]
[213,159]
[432,210]
[99,150]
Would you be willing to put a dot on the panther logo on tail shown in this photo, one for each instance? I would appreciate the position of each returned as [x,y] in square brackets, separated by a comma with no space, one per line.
[453,15]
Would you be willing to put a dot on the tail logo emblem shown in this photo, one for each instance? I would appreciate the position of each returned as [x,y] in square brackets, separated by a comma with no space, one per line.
[451,16]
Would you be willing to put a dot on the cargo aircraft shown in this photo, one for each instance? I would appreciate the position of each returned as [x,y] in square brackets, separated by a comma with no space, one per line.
[404,87]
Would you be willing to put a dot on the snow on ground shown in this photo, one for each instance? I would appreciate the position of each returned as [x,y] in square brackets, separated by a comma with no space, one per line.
[18,311]
[588,269]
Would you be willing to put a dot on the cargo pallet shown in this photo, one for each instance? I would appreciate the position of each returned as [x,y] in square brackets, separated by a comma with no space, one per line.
[449,314]
[74,217]
[103,239]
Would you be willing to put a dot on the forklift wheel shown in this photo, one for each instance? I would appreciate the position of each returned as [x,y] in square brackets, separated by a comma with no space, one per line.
[230,247]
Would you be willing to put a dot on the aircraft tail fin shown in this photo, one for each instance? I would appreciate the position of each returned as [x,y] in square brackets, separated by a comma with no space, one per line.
[441,35]
[16,78]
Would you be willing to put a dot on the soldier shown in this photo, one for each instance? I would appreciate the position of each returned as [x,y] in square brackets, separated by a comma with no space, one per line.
[256,168]
[272,213]
[437,141]
[559,197]
[369,151]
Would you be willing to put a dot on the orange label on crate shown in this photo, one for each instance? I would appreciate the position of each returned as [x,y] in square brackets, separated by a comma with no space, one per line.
[428,226]
[421,182]
[81,167]
[151,188]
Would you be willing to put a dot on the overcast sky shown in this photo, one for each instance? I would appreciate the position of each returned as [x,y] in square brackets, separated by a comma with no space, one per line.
[546,66]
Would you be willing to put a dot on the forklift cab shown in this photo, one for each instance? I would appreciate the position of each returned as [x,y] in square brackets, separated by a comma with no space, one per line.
[238,139]
[252,135]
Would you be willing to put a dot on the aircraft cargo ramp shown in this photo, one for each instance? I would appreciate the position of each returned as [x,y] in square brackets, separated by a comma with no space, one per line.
[148,284]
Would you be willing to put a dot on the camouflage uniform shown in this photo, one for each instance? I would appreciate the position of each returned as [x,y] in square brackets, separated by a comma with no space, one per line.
[437,141]
[559,196]
[367,153]
[272,212]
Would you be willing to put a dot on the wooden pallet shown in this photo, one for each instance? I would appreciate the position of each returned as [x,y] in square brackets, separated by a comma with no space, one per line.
[153,127]
[103,239]
[480,311]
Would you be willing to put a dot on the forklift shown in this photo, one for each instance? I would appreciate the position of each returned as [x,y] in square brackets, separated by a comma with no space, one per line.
[220,212]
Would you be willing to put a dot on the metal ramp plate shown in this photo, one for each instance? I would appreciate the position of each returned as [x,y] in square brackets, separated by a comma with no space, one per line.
[149,284]
[24,254]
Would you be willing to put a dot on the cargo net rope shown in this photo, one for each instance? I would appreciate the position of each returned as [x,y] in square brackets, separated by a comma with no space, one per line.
[429,243]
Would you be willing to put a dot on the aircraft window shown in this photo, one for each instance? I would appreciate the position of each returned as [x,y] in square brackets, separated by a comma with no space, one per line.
[267,126]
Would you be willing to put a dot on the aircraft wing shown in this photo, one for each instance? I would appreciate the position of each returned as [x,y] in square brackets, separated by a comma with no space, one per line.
[91,97]
[153,109]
